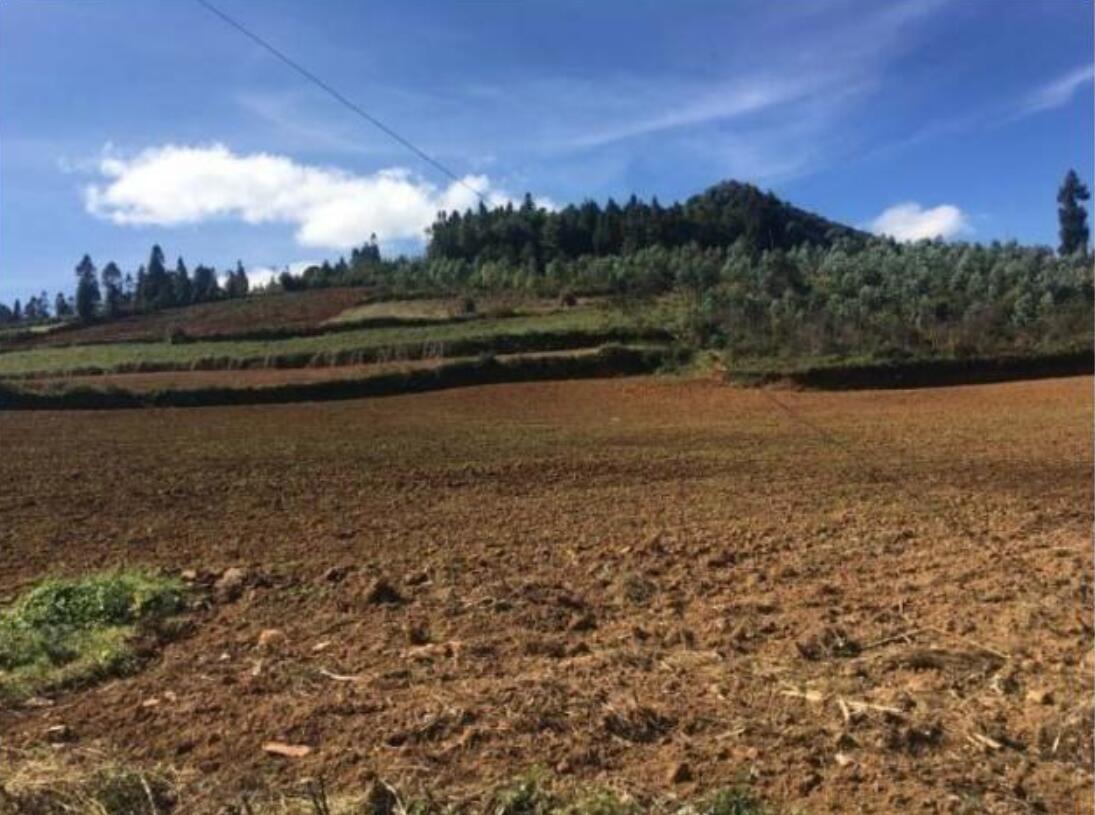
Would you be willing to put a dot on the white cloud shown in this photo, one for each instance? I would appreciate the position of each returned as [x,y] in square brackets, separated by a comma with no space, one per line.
[331,209]
[911,222]
[258,276]
[1055,93]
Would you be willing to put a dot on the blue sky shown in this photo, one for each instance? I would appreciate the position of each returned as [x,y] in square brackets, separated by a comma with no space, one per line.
[126,122]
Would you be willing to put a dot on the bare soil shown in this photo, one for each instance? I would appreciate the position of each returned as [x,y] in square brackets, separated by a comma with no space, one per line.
[860,601]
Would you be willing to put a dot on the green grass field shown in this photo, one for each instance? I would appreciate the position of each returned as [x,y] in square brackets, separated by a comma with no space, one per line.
[410,341]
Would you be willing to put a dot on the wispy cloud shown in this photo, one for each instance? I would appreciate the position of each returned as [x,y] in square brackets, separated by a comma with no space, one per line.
[288,112]
[1055,93]
[911,222]
[1047,96]
[701,106]
[760,126]
[768,124]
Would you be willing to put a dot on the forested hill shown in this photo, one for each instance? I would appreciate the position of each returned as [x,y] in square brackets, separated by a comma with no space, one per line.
[718,217]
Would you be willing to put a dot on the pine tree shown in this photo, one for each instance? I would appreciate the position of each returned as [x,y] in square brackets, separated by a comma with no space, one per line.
[111,290]
[1072,216]
[140,290]
[158,289]
[181,287]
[87,290]
[238,284]
[205,284]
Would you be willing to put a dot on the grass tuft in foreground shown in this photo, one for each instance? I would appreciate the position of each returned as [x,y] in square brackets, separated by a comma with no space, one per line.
[70,632]
[52,783]
[81,783]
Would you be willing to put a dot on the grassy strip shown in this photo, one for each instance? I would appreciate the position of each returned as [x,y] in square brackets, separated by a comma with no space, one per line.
[47,784]
[845,374]
[180,337]
[71,632]
[551,332]
[607,361]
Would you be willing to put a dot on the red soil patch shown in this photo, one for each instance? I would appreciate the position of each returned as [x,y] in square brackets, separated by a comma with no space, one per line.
[605,578]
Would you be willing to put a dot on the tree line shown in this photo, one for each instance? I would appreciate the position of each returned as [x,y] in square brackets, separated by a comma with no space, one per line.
[109,293]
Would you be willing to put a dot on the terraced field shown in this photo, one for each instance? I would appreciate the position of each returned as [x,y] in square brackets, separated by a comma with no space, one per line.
[864,601]
[574,328]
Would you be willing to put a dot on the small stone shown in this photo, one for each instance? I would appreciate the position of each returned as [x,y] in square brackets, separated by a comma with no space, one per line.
[381,592]
[189,575]
[336,574]
[843,759]
[417,578]
[277,748]
[846,741]
[679,773]
[811,782]
[1040,696]
[230,584]
[272,639]
[416,633]
[59,734]
[582,622]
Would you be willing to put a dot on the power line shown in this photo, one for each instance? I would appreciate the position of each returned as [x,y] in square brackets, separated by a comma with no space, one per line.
[338,96]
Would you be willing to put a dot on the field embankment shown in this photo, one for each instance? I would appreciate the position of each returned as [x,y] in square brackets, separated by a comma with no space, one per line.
[352,383]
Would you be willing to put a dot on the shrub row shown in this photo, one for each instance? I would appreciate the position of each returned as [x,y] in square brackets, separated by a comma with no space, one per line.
[920,373]
[527,342]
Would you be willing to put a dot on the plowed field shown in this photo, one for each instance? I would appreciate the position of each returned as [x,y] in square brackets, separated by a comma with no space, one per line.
[859,602]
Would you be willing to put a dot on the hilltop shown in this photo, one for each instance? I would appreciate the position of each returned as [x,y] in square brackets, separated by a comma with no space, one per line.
[727,214]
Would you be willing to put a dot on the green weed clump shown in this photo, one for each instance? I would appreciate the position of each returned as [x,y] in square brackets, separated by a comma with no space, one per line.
[67,632]
[734,801]
[533,794]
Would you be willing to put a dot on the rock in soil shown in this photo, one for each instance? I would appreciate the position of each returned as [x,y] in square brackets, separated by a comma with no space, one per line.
[277,748]
[1040,696]
[679,773]
[230,584]
[59,734]
[582,622]
[272,639]
[381,592]
[336,574]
